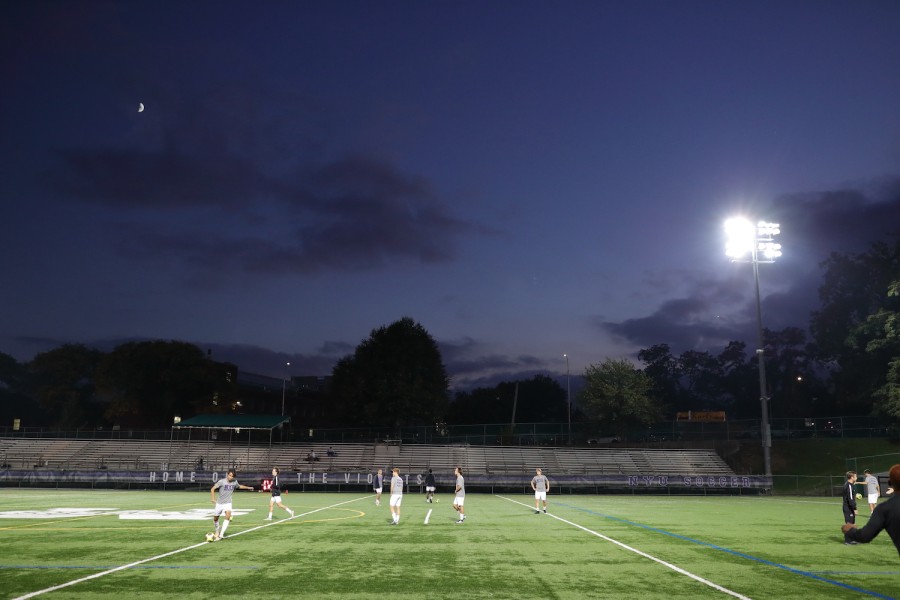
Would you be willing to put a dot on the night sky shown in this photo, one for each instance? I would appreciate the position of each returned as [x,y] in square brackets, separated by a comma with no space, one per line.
[525,179]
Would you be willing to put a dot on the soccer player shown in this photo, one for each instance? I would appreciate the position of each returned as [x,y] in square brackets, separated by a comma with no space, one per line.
[276,495]
[226,488]
[886,516]
[429,487]
[460,492]
[396,495]
[849,505]
[873,490]
[377,484]
[541,485]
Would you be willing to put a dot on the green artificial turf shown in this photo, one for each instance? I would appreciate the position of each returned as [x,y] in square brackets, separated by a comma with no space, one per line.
[651,547]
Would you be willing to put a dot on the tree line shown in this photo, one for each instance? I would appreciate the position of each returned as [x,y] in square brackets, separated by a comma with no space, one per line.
[847,364]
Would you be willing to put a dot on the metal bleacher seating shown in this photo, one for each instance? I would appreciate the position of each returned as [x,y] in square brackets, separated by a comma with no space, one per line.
[74,454]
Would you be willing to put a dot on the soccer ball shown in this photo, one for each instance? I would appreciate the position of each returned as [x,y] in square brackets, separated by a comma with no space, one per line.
[210,537]
[437,499]
[859,496]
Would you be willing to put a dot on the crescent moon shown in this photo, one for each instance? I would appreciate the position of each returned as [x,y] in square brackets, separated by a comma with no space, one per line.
[140,107]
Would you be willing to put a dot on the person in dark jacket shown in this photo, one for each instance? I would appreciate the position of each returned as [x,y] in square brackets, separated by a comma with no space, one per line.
[849,504]
[429,487]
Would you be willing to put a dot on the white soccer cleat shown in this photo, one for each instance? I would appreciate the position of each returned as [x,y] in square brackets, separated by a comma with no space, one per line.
[267,519]
[290,512]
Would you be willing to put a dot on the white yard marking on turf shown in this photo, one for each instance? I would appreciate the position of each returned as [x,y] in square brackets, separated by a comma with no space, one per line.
[428,516]
[639,552]
[173,552]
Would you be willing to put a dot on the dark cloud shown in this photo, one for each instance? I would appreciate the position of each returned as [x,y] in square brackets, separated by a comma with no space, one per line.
[263,361]
[339,349]
[813,225]
[230,186]
[470,365]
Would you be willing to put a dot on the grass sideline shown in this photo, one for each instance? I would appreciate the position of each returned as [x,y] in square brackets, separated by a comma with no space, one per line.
[341,546]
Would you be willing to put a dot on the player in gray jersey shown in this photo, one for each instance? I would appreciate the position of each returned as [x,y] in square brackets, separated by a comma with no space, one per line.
[226,489]
[873,489]
[541,485]
[396,495]
[460,499]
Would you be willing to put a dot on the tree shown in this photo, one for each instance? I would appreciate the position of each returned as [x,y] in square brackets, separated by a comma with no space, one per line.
[664,372]
[853,290]
[540,400]
[791,375]
[702,379]
[740,382]
[15,400]
[694,380]
[63,383]
[885,337]
[395,377]
[618,394]
[148,383]
[481,405]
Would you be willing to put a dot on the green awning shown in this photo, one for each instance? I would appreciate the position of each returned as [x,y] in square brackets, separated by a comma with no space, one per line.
[232,422]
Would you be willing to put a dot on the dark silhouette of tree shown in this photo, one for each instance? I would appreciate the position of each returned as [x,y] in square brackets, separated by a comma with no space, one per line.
[540,400]
[481,405]
[882,332]
[740,382]
[16,402]
[63,382]
[853,290]
[148,383]
[395,377]
[664,373]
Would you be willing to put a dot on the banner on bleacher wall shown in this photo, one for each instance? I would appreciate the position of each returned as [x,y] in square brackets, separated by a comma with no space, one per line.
[355,478]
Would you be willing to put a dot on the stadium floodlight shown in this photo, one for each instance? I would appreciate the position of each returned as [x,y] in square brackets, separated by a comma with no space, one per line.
[755,244]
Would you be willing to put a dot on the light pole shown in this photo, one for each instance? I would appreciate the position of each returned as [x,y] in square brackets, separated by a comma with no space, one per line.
[284,385]
[746,238]
[568,398]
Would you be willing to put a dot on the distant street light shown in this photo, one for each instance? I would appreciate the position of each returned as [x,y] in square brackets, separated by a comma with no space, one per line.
[746,239]
[284,385]
[568,398]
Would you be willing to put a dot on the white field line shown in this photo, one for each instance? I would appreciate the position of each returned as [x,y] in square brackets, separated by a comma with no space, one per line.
[638,552]
[428,516]
[173,552]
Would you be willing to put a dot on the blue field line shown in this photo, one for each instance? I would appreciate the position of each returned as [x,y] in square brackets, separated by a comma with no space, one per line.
[732,552]
[857,572]
[53,567]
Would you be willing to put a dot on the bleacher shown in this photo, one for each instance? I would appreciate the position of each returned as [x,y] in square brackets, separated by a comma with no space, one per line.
[136,455]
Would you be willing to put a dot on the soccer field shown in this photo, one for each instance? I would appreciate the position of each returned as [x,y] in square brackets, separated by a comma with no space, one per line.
[150,544]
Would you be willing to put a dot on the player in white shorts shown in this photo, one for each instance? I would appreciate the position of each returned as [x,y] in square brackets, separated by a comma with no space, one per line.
[460,499]
[396,495]
[541,485]
[226,489]
[377,484]
[873,489]
[276,495]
